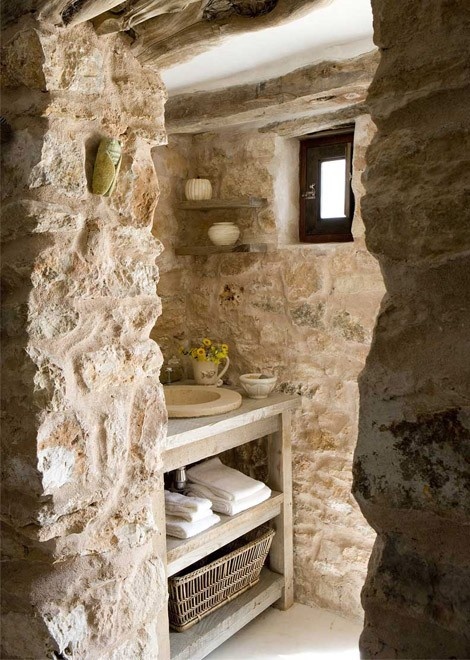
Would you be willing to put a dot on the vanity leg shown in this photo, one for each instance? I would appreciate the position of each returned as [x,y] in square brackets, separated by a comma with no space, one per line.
[280,479]
[159,550]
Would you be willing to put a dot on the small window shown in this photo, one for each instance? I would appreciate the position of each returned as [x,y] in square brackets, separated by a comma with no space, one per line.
[326,199]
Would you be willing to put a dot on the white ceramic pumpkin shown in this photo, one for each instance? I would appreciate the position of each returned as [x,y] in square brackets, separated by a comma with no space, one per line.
[198,189]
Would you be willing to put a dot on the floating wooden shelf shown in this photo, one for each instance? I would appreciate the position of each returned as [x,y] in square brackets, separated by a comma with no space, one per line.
[204,250]
[182,553]
[208,204]
[217,627]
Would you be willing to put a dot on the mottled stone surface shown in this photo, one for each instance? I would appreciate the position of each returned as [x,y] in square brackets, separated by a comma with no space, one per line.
[83,412]
[305,313]
[412,475]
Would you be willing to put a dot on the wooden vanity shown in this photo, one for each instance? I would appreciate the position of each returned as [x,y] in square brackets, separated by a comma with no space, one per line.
[190,440]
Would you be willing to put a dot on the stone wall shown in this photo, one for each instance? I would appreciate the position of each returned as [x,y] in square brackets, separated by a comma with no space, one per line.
[305,313]
[83,414]
[412,476]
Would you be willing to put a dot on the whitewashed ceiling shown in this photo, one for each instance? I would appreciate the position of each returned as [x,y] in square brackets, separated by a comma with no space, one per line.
[340,30]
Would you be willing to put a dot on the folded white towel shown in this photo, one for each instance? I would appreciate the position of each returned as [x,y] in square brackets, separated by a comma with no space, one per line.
[183,514]
[223,481]
[185,530]
[230,508]
[179,504]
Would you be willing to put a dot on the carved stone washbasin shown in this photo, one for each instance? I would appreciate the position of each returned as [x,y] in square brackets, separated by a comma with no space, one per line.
[199,400]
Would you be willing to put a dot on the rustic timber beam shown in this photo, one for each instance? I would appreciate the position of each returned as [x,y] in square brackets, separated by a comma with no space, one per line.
[88,10]
[50,11]
[73,12]
[143,10]
[303,93]
[138,12]
[320,122]
[164,44]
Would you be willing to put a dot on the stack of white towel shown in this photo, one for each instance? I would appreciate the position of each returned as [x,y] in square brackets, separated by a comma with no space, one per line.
[188,516]
[229,490]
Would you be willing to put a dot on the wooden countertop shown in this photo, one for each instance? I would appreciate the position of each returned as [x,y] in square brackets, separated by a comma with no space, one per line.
[191,429]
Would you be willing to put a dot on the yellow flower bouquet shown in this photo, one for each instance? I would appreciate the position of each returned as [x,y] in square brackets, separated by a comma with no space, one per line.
[207,351]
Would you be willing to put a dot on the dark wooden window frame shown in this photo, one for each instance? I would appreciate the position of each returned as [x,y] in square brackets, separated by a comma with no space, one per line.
[312,229]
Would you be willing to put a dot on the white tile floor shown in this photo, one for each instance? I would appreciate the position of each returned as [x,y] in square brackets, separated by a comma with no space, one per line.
[301,633]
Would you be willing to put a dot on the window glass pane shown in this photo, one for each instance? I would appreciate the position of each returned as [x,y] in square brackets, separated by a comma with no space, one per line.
[333,188]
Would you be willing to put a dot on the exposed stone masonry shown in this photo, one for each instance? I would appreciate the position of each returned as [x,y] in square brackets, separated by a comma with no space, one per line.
[412,470]
[83,416]
[83,413]
[304,312]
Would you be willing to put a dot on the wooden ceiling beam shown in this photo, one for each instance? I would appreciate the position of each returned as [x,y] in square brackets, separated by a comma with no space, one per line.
[301,94]
[138,12]
[164,43]
[321,122]
[73,12]
[88,10]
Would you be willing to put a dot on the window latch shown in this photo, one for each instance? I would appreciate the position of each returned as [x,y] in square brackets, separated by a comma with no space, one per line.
[311,192]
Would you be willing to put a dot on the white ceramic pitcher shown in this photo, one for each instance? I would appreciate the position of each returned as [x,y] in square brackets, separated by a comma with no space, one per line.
[206,373]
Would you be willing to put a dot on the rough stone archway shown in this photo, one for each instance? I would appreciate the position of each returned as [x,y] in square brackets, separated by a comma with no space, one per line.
[83,412]
[412,463]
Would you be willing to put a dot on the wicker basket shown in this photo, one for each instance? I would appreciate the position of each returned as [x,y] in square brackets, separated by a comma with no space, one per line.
[200,592]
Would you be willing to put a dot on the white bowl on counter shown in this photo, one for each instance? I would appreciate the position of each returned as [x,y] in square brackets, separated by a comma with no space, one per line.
[257,387]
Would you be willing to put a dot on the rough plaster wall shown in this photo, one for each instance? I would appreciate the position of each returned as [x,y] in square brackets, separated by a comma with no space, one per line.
[412,474]
[83,414]
[303,312]
[172,166]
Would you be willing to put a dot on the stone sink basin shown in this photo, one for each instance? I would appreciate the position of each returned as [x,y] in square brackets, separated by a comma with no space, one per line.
[199,400]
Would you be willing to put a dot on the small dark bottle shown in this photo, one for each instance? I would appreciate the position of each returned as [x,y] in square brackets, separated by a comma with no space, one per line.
[179,481]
